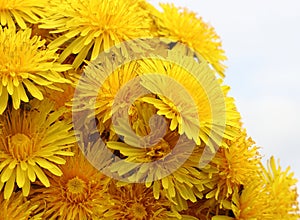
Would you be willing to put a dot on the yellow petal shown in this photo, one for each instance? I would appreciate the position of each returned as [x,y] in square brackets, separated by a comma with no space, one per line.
[23,165]
[26,187]
[20,177]
[5,163]
[43,163]
[22,93]
[55,170]
[57,160]
[156,189]
[1,185]
[165,182]
[19,19]
[10,86]
[9,186]
[3,102]
[4,80]
[16,99]
[41,175]
[34,91]
[30,173]
[6,174]
[96,48]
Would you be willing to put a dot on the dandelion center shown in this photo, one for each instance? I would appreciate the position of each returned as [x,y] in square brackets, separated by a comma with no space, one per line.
[139,211]
[76,185]
[16,56]
[161,149]
[20,145]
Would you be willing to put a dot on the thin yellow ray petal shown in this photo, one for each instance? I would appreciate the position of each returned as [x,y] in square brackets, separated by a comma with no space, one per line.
[41,175]
[20,177]
[9,186]
[26,187]
[34,91]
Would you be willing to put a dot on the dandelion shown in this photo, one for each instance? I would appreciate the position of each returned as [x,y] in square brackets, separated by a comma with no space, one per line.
[182,25]
[270,195]
[21,12]
[237,165]
[92,26]
[135,201]
[77,194]
[160,159]
[17,208]
[30,143]
[281,189]
[25,67]
[250,203]
[198,108]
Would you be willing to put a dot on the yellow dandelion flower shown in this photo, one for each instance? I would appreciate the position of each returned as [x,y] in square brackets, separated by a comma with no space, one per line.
[200,97]
[162,161]
[281,188]
[95,26]
[102,83]
[237,165]
[182,25]
[21,12]
[250,203]
[17,208]
[77,194]
[26,66]
[30,143]
[272,195]
[135,201]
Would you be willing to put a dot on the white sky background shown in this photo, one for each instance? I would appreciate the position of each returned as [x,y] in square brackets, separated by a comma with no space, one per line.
[262,42]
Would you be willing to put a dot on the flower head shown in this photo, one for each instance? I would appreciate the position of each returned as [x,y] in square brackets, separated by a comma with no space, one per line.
[280,186]
[77,194]
[182,25]
[95,26]
[21,12]
[237,165]
[25,67]
[16,207]
[30,143]
[200,106]
[271,195]
[135,201]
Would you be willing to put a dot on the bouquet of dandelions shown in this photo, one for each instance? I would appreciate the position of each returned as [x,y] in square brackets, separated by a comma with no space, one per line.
[114,109]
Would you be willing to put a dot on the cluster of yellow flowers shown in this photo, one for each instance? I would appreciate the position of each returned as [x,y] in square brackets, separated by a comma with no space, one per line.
[114,109]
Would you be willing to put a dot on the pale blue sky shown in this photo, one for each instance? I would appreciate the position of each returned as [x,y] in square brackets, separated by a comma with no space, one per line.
[261,40]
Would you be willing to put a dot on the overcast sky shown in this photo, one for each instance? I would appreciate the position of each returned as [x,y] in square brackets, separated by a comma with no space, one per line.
[261,40]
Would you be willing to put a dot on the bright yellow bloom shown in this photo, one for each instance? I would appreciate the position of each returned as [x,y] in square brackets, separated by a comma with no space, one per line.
[21,12]
[135,201]
[77,194]
[17,208]
[194,101]
[272,195]
[94,26]
[182,25]
[31,142]
[172,171]
[250,203]
[102,85]
[26,65]
[237,165]
[281,188]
